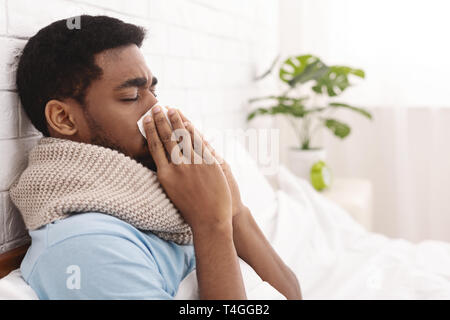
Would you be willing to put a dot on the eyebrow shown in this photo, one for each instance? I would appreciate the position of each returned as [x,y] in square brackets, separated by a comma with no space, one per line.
[136,82]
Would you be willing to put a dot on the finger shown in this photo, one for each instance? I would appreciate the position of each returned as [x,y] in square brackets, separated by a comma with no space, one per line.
[185,120]
[208,151]
[187,142]
[155,145]
[207,145]
[199,146]
[175,119]
[163,129]
[213,151]
[191,129]
[196,139]
[183,117]
[209,157]
[195,145]
[180,131]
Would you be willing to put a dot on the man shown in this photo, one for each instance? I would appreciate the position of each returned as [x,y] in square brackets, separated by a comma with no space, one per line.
[87,87]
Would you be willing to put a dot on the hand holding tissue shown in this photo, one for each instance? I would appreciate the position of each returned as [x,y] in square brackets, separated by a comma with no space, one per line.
[140,122]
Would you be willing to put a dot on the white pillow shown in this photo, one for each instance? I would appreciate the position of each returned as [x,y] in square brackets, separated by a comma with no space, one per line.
[256,192]
[14,287]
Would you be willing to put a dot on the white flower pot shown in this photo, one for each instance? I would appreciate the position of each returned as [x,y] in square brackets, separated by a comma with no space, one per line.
[301,161]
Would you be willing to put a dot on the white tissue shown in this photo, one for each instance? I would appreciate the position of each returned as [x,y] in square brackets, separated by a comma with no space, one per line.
[140,122]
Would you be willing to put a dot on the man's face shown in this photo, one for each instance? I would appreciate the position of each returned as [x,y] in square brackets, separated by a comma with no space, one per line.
[115,103]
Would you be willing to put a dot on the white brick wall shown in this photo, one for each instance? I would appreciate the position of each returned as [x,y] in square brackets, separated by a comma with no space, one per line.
[204,53]
[3,21]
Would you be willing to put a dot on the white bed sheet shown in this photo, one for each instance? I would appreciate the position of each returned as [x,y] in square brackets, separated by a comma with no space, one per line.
[14,287]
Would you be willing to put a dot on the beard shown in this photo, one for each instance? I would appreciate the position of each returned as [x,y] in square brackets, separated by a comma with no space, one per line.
[100,137]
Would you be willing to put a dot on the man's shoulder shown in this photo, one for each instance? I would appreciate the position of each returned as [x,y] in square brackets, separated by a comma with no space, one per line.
[115,260]
[104,260]
[82,234]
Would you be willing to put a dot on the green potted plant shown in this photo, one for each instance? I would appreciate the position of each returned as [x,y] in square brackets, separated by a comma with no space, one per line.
[308,103]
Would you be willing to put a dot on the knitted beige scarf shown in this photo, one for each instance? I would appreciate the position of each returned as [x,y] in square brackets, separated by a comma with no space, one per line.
[64,177]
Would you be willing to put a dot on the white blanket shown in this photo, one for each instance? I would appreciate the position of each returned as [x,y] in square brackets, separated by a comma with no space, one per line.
[335,258]
[332,255]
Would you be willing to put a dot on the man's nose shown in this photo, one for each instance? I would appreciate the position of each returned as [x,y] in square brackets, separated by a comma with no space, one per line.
[151,101]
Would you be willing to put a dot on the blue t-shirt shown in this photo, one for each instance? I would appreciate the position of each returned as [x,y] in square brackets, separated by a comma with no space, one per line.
[98,256]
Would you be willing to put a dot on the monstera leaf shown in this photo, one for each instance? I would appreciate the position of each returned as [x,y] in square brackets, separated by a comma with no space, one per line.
[281,99]
[335,80]
[339,129]
[279,109]
[285,105]
[296,71]
[301,69]
[346,106]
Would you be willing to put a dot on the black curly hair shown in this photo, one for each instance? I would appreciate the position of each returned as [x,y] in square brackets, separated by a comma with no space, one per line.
[58,62]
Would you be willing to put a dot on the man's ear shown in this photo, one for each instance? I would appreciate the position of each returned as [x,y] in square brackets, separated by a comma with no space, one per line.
[61,117]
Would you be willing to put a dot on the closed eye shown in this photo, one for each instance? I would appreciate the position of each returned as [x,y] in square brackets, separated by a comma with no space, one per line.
[152,90]
[130,99]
